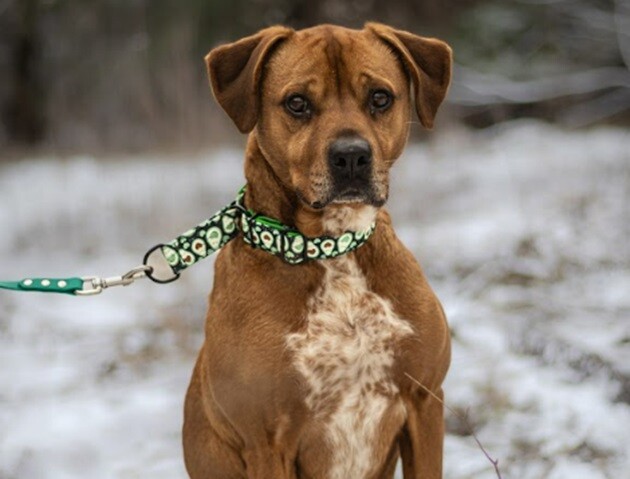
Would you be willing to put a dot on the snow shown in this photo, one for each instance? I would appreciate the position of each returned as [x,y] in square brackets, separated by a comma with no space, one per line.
[522,230]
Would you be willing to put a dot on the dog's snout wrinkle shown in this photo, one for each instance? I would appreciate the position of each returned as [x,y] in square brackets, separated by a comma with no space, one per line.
[350,157]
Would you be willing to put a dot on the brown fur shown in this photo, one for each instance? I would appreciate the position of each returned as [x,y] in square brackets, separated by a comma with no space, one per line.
[245,412]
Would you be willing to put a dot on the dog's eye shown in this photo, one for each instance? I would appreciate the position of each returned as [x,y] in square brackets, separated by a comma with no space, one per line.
[380,100]
[298,106]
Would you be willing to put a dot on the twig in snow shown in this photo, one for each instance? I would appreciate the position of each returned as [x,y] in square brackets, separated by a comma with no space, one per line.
[464,419]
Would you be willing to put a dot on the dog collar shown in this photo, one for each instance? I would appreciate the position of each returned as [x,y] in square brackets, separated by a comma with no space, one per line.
[261,232]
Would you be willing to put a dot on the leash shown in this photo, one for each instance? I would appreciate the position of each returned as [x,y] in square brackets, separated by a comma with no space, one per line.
[164,262]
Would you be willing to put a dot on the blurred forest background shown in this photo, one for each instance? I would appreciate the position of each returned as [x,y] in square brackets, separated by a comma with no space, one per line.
[128,75]
[522,228]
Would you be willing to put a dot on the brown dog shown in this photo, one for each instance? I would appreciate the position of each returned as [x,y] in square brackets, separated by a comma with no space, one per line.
[305,369]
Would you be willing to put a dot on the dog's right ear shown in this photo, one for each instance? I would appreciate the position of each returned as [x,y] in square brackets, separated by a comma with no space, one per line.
[428,62]
[235,71]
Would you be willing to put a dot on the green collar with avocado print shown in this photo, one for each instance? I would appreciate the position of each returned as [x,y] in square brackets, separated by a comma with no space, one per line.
[258,231]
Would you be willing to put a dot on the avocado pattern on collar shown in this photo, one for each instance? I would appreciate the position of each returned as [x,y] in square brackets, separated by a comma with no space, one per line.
[261,232]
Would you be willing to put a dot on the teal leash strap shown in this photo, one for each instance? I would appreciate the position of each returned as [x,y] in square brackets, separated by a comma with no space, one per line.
[45,285]
[83,286]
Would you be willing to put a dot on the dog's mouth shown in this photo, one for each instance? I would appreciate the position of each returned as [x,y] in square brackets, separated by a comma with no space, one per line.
[351,195]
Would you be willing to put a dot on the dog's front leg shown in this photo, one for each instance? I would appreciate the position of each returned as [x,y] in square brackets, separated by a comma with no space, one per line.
[421,441]
[265,463]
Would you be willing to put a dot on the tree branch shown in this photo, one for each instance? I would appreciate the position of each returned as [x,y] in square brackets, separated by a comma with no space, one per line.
[465,422]
[471,88]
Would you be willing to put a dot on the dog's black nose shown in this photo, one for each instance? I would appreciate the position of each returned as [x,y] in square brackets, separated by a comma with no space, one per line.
[349,157]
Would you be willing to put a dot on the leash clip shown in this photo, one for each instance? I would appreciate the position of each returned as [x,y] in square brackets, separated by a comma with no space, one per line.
[95,285]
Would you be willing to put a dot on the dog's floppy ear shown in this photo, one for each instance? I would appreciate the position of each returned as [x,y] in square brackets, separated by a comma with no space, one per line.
[428,62]
[235,71]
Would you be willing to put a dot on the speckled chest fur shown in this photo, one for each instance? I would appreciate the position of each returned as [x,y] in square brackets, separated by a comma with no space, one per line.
[345,354]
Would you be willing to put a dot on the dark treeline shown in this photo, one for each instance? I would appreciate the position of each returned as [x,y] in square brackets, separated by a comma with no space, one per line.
[123,75]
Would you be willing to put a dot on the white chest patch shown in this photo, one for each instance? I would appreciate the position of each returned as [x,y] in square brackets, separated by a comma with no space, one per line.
[345,354]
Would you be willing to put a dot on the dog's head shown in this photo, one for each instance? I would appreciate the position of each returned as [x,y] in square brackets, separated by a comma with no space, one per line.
[330,107]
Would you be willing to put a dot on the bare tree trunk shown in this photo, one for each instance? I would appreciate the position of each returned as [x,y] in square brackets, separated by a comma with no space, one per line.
[24,111]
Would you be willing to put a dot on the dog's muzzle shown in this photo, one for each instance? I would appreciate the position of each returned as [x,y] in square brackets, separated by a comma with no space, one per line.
[350,164]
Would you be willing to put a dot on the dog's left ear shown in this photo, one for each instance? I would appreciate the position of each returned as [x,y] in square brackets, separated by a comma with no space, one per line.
[235,71]
[428,62]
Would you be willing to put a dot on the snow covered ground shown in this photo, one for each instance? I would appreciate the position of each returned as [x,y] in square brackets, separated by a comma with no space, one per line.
[523,230]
